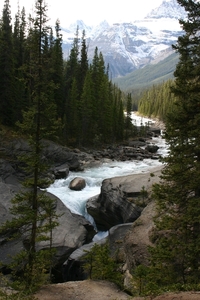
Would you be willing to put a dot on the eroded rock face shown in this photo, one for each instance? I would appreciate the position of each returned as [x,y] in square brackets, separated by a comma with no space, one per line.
[73,230]
[113,206]
[120,199]
[138,239]
[59,155]
[72,268]
[77,184]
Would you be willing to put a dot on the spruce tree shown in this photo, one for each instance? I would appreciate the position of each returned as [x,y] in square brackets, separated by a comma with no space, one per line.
[19,46]
[128,121]
[86,107]
[99,264]
[70,72]
[57,70]
[175,259]
[83,63]
[34,215]
[7,79]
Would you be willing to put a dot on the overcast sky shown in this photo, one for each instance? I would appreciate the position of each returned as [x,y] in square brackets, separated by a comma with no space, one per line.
[90,11]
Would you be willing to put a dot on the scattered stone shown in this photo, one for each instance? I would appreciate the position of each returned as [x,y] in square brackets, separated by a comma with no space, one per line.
[152,148]
[61,171]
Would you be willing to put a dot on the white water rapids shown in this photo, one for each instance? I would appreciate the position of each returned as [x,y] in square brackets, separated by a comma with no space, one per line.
[76,200]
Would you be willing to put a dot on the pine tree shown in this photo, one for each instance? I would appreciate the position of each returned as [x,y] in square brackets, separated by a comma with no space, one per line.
[86,107]
[34,214]
[176,256]
[99,264]
[128,120]
[105,102]
[7,81]
[70,72]
[19,42]
[96,83]
[83,63]
[57,67]
[75,112]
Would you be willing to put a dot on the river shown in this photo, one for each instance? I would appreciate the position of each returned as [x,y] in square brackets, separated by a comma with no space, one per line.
[76,200]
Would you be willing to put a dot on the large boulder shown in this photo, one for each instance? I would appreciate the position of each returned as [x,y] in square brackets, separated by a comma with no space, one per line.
[77,184]
[112,207]
[72,268]
[73,230]
[120,200]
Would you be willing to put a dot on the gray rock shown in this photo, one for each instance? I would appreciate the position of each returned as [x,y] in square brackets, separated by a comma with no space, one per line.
[137,143]
[137,239]
[116,202]
[8,173]
[73,230]
[61,171]
[155,131]
[113,206]
[55,155]
[77,184]
[58,155]
[8,192]
[72,268]
[152,148]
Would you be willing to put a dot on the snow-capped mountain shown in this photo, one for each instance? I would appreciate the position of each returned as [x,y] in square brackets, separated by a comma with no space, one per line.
[168,9]
[130,46]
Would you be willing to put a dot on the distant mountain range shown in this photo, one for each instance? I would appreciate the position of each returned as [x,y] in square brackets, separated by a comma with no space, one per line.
[128,47]
[151,74]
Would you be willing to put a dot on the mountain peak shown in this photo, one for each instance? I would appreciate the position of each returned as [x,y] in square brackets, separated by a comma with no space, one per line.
[129,46]
[81,26]
[168,9]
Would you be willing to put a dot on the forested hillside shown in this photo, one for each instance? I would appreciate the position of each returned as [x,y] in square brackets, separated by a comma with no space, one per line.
[152,74]
[87,105]
[157,101]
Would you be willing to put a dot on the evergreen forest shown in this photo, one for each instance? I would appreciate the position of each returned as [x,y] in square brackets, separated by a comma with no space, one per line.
[157,101]
[88,106]
[45,97]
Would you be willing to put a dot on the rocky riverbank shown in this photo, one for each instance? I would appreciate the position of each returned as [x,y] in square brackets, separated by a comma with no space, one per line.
[74,231]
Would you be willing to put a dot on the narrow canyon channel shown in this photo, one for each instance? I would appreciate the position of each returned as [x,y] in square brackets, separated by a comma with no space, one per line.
[76,200]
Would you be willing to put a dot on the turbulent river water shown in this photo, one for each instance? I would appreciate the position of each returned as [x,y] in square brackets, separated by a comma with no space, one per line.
[76,200]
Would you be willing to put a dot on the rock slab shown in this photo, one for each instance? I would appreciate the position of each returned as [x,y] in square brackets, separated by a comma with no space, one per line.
[117,202]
